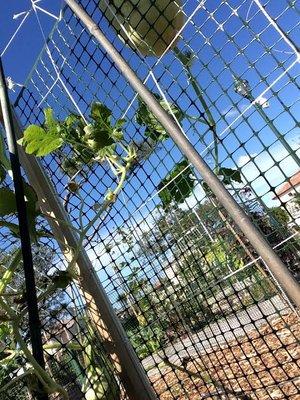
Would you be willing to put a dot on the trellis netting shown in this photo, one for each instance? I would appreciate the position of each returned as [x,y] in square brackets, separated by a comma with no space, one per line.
[201,309]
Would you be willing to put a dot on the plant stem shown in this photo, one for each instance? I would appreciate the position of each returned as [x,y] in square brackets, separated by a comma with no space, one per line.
[50,385]
[8,274]
[209,120]
[198,119]
[15,380]
[43,376]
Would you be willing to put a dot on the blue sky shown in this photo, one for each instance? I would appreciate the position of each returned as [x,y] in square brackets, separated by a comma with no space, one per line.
[223,46]
[20,56]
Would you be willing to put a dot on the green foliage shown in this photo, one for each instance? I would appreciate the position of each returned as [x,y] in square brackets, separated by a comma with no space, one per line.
[8,207]
[154,130]
[280,215]
[220,256]
[7,202]
[147,340]
[89,142]
[180,183]
[297,199]
[229,175]
[4,162]
[2,173]
[39,142]
[62,279]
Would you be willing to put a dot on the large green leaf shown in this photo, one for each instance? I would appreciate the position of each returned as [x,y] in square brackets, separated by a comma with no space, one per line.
[229,175]
[39,142]
[180,184]
[101,135]
[100,113]
[7,202]
[8,206]
[154,130]
[15,230]
[2,173]
[97,137]
[4,161]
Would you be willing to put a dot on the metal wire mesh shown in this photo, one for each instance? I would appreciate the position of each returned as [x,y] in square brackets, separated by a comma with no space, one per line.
[202,310]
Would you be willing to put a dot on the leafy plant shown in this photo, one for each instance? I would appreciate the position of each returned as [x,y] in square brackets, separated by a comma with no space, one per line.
[229,175]
[147,340]
[97,141]
[177,185]
[8,207]
[90,142]
[154,130]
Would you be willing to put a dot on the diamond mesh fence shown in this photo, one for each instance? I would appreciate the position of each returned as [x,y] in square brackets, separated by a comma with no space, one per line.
[202,310]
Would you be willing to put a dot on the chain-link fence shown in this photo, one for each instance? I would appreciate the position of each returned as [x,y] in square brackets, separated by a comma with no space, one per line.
[202,310]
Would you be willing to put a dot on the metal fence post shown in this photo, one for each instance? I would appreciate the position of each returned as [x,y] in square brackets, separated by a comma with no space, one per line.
[277,267]
[101,311]
[31,295]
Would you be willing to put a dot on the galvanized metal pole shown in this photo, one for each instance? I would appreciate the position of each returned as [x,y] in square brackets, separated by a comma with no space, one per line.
[278,268]
[102,313]
[31,296]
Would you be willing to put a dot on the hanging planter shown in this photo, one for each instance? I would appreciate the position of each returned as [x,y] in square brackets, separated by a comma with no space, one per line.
[149,26]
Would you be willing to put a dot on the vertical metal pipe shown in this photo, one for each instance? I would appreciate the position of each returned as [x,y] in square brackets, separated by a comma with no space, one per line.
[278,268]
[31,296]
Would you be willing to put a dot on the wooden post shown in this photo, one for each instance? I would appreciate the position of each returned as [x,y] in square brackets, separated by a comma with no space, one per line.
[102,314]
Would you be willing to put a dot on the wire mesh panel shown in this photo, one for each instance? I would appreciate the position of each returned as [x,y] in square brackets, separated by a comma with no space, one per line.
[202,310]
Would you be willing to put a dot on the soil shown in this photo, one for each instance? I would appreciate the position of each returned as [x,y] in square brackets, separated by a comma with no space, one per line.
[264,365]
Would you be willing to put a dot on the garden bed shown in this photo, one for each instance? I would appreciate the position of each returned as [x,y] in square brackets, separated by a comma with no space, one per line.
[264,364]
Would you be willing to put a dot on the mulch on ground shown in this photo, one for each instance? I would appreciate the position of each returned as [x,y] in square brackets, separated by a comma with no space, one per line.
[264,364]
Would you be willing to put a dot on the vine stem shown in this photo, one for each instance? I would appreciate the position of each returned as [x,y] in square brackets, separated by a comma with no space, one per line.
[16,379]
[8,274]
[186,61]
[50,385]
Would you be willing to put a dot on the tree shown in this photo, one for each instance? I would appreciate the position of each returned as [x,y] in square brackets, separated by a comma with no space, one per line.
[279,215]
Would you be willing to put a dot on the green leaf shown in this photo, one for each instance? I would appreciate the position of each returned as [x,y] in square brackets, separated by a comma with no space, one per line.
[100,113]
[2,173]
[37,141]
[229,175]
[154,130]
[180,184]
[71,119]
[117,133]
[62,279]
[4,161]
[101,133]
[7,202]
[97,138]
[31,196]
[8,206]
[14,228]
[107,151]
[50,122]
[71,165]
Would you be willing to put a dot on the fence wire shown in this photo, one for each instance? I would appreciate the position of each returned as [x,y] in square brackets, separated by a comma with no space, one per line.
[203,312]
